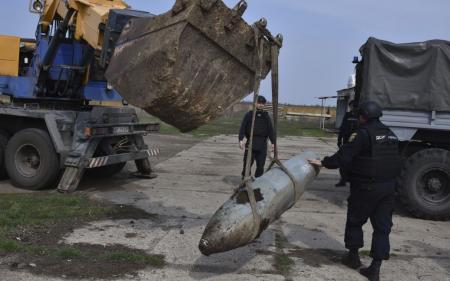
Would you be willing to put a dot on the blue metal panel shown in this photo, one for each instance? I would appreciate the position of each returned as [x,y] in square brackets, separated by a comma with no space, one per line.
[4,83]
[22,87]
[98,91]
[68,54]
[19,87]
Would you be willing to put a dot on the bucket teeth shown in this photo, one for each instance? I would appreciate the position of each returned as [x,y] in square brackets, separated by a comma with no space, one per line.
[187,66]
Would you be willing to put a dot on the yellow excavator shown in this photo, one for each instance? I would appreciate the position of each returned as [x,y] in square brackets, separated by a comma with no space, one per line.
[64,94]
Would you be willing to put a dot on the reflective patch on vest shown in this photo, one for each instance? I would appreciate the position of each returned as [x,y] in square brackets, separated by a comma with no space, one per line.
[352,137]
[380,138]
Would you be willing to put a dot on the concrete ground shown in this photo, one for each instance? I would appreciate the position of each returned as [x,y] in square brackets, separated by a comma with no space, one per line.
[195,178]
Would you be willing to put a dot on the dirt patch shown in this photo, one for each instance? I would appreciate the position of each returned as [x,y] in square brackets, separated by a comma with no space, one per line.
[317,257]
[37,248]
[87,261]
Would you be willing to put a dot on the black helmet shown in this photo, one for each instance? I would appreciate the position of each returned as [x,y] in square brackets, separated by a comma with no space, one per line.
[261,100]
[370,110]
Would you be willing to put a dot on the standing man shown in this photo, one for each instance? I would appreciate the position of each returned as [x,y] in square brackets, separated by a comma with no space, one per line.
[372,161]
[262,131]
[348,127]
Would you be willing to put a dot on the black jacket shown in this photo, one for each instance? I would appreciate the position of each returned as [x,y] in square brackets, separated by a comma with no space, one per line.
[263,129]
[361,144]
[348,127]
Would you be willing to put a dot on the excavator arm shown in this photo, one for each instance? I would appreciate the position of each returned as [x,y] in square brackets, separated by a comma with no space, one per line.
[186,66]
[88,17]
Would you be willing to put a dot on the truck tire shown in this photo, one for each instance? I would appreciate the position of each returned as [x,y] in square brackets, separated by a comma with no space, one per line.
[3,142]
[31,160]
[424,184]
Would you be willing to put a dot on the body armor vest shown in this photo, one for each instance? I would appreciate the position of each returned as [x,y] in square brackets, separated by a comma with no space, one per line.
[381,161]
[350,127]
[261,125]
[353,123]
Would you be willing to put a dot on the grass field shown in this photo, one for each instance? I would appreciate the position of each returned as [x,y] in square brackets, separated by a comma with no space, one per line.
[230,126]
[32,227]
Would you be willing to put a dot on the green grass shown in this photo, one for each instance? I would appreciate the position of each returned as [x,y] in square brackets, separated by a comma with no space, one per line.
[281,262]
[231,125]
[45,209]
[41,214]
[10,246]
[280,241]
[69,253]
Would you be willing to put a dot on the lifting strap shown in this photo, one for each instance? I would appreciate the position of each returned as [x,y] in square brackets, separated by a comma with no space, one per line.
[259,45]
[276,44]
[275,51]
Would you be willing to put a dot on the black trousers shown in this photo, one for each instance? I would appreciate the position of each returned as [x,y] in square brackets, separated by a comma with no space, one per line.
[260,157]
[375,202]
[343,174]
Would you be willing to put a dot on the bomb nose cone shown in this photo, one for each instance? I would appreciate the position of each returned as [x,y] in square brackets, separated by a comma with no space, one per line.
[204,247]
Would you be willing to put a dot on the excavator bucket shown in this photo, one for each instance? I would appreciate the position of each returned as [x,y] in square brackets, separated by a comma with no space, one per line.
[189,65]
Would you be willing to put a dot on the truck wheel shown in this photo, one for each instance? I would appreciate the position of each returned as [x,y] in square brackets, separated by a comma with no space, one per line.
[424,184]
[3,142]
[31,160]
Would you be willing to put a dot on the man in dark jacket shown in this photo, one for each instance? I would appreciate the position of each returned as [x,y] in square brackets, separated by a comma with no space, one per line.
[348,127]
[263,130]
[372,161]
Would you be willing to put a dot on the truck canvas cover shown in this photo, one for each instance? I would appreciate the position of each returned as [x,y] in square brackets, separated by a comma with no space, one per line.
[413,76]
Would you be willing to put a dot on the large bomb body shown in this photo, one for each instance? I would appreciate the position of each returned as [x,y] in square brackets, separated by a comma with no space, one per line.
[234,226]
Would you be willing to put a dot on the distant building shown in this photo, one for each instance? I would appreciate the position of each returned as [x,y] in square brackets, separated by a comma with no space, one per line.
[344,96]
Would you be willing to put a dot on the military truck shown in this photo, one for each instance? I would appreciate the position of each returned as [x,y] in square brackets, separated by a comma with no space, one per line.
[411,83]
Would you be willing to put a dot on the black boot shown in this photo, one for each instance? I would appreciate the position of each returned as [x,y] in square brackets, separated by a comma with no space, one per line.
[351,259]
[373,271]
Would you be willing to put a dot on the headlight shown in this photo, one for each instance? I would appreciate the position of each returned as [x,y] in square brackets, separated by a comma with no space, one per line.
[37,6]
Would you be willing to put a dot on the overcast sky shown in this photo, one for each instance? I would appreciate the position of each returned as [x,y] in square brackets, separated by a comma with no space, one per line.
[320,36]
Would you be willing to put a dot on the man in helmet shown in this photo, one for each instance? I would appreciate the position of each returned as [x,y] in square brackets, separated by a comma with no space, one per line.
[348,127]
[372,161]
[263,130]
